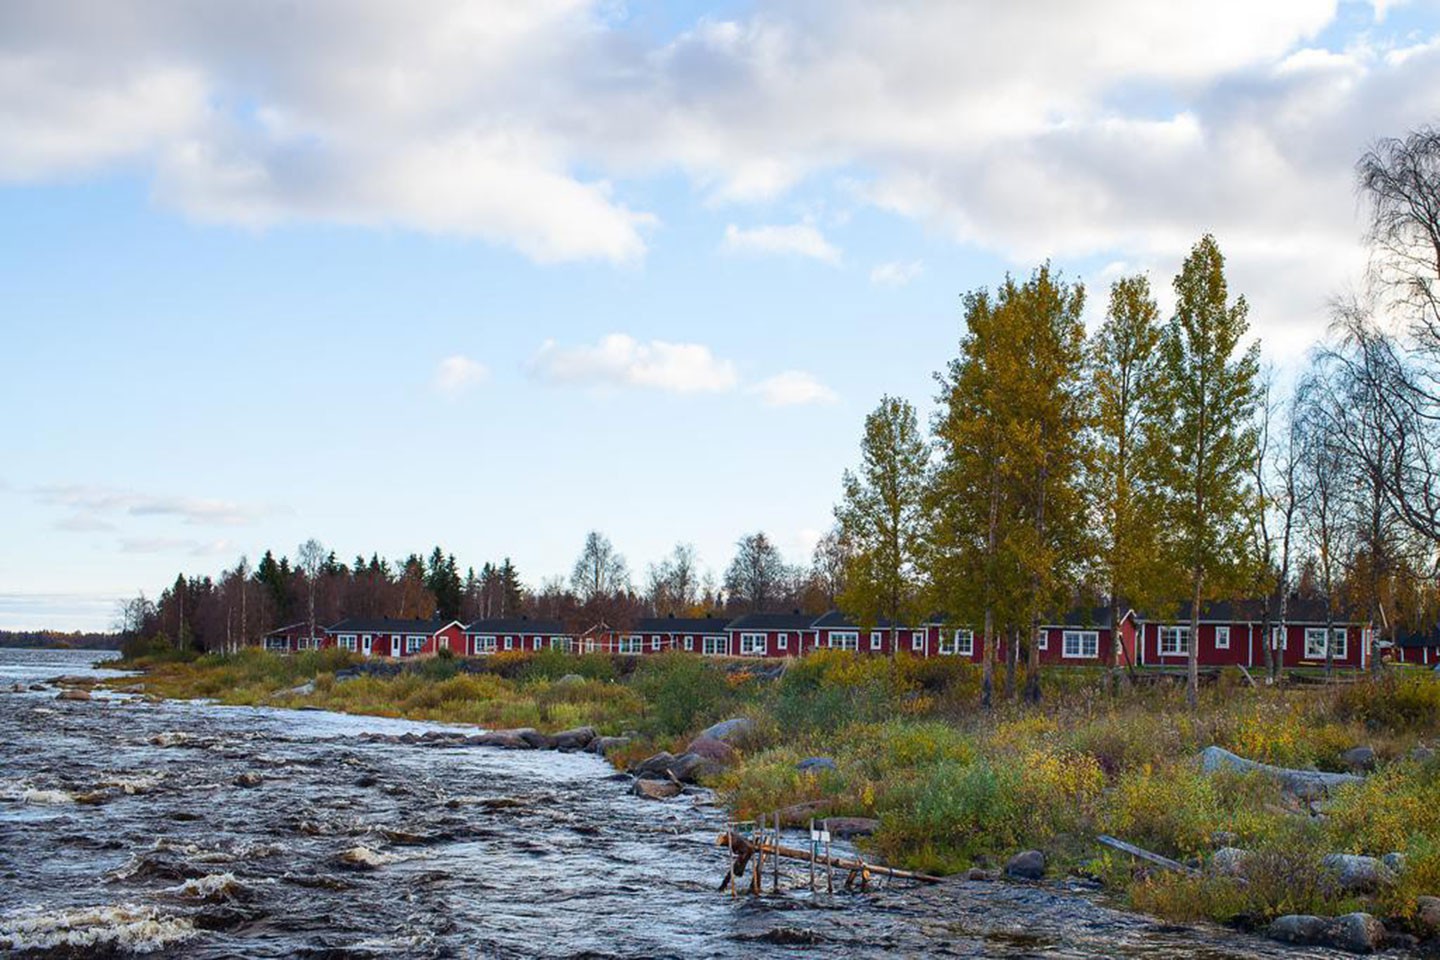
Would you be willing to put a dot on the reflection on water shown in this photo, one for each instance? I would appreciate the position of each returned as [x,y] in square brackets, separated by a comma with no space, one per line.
[209,831]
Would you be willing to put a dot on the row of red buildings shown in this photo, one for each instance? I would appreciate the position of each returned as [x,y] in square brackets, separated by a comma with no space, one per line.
[1229,633]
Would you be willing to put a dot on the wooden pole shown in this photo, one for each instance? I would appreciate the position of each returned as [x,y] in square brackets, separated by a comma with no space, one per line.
[1145,855]
[775,861]
[814,845]
[829,874]
[859,867]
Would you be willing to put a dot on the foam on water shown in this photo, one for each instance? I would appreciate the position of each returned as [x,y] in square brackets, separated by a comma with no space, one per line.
[128,927]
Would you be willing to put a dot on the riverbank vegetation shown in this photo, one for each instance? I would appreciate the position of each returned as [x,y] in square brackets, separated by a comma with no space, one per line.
[955,787]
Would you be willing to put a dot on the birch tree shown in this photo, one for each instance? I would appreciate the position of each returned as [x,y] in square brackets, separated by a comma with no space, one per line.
[310,559]
[1209,384]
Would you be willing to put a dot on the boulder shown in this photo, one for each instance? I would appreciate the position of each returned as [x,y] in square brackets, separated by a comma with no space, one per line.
[730,731]
[604,745]
[817,765]
[304,690]
[536,739]
[74,695]
[1304,784]
[1357,933]
[577,739]
[1427,916]
[1359,759]
[504,739]
[570,678]
[711,749]
[656,789]
[1029,865]
[687,767]
[844,827]
[1298,928]
[249,779]
[1395,861]
[1229,861]
[979,874]
[1356,874]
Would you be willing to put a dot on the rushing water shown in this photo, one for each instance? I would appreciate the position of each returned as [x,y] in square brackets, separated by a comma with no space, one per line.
[194,830]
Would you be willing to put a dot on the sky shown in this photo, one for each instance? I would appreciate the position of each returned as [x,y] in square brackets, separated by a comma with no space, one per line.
[490,275]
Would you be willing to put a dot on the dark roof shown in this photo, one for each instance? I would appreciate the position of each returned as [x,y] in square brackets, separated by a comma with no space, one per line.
[1297,610]
[1097,617]
[303,624]
[514,625]
[387,625]
[837,620]
[681,624]
[773,621]
[1420,638]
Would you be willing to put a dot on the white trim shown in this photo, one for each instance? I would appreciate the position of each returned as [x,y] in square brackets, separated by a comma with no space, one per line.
[1086,644]
[1222,631]
[843,639]
[1180,635]
[918,640]
[877,639]
[714,645]
[782,641]
[748,643]
[961,643]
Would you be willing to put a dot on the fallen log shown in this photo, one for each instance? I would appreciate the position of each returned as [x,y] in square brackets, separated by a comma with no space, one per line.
[744,849]
[1143,854]
[1305,784]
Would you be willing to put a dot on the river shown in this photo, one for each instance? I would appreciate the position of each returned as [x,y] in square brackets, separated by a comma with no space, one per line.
[186,829]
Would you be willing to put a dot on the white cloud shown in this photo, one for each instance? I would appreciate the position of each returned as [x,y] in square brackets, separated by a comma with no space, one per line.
[92,502]
[458,373]
[619,360]
[156,544]
[896,273]
[83,523]
[793,388]
[799,239]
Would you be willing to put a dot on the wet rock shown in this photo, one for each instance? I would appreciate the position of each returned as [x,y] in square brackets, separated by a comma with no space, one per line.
[1359,759]
[656,789]
[730,731]
[72,680]
[37,687]
[1029,865]
[1395,861]
[817,765]
[74,695]
[1229,861]
[687,767]
[366,781]
[1298,928]
[1356,874]
[844,827]
[711,749]
[362,858]
[504,739]
[605,745]
[788,937]
[576,739]
[981,874]
[536,739]
[1427,916]
[249,779]
[1357,933]
[19,688]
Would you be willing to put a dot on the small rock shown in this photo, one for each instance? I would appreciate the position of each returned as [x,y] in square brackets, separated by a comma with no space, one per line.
[817,765]
[536,739]
[37,687]
[976,873]
[711,749]
[74,695]
[845,827]
[656,789]
[1359,759]
[1395,861]
[304,690]
[687,767]
[604,745]
[249,779]
[1422,754]
[1357,933]
[1029,865]
[1229,861]
[1356,874]
[576,739]
[1298,928]
[504,739]
[730,731]
[17,688]
[1427,916]
[363,858]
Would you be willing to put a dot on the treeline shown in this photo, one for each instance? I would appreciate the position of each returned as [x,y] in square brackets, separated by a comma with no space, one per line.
[78,640]
[1155,462]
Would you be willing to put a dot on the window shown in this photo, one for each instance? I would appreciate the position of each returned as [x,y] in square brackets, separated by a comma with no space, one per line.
[1315,643]
[917,640]
[782,642]
[559,643]
[1222,638]
[509,643]
[347,642]
[713,646]
[752,644]
[276,643]
[960,643]
[655,642]
[1042,640]
[1174,641]
[1340,640]
[1080,644]
[484,645]
[1278,639]
[844,640]
[876,639]
[632,644]
[689,643]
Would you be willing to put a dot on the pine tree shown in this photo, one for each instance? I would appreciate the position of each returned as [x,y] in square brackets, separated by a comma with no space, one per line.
[1209,393]
[881,517]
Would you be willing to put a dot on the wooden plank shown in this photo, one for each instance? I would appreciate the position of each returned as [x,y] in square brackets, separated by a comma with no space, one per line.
[843,863]
[1145,855]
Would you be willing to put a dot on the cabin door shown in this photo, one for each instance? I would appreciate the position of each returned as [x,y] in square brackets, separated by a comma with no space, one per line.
[394,646]
[365,645]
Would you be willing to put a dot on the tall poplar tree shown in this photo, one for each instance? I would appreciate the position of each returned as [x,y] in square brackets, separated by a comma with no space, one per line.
[881,517]
[1123,356]
[1210,385]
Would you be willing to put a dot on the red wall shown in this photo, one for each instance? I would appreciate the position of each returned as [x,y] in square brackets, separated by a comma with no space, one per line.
[1246,646]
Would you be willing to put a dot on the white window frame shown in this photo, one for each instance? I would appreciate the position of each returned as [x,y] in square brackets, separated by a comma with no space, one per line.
[1080,644]
[1314,643]
[1042,639]
[714,646]
[484,645]
[346,641]
[1222,637]
[782,641]
[277,643]
[877,639]
[560,643]
[1280,638]
[632,644]
[749,642]
[917,641]
[1340,637]
[843,640]
[509,643]
[655,643]
[1179,634]
[689,643]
